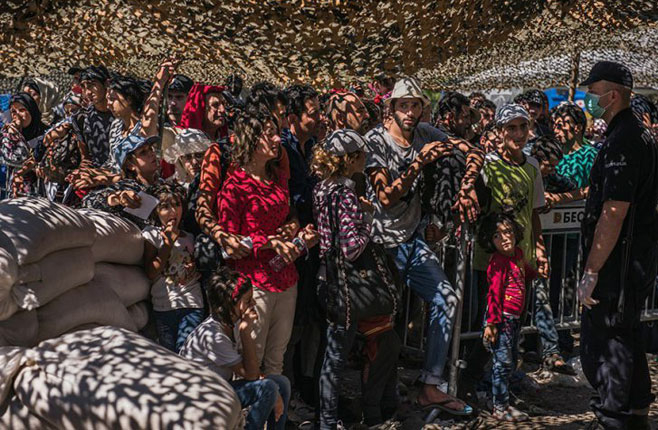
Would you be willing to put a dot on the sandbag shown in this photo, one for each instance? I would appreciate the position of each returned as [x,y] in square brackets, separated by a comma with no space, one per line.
[8,307]
[117,240]
[109,378]
[51,277]
[130,283]
[139,312]
[11,358]
[82,305]
[8,275]
[16,416]
[35,227]
[21,329]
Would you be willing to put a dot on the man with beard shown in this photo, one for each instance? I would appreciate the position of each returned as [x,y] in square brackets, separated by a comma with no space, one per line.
[441,181]
[177,92]
[456,116]
[398,151]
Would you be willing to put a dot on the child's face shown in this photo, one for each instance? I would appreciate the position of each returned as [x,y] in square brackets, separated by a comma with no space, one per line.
[145,160]
[358,163]
[170,210]
[245,303]
[504,239]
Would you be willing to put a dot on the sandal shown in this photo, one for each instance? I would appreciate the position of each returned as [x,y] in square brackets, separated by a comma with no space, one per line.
[442,406]
[550,363]
[511,415]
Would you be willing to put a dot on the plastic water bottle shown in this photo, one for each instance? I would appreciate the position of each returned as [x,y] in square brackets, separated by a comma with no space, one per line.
[277,263]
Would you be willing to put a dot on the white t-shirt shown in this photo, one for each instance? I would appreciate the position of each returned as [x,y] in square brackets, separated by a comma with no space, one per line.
[178,286]
[211,347]
[396,224]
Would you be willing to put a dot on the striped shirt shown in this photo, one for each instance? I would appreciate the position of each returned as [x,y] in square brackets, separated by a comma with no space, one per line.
[354,223]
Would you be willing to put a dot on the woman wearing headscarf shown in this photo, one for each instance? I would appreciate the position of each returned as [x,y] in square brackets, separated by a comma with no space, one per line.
[205,110]
[47,95]
[21,141]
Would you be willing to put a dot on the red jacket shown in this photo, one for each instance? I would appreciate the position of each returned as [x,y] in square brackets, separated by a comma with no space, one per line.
[507,278]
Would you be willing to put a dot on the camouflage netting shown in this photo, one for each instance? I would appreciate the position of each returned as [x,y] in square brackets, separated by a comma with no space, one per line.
[445,42]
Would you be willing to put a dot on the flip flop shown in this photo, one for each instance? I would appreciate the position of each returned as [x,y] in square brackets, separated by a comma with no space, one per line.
[467,410]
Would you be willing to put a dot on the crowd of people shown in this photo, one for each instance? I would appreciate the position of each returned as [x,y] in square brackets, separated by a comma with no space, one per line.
[287,223]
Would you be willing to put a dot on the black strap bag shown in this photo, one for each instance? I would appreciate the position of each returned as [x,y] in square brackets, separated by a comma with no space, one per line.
[355,290]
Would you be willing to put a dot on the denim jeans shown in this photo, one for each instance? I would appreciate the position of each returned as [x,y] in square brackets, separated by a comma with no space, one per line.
[505,353]
[564,260]
[174,326]
[260,395]
[378,383]
[543,316]
[421,271]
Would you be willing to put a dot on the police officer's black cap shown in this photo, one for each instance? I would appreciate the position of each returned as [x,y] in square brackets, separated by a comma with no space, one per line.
[611,72]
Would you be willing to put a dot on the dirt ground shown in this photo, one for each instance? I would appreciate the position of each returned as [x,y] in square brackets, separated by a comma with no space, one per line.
[553,401]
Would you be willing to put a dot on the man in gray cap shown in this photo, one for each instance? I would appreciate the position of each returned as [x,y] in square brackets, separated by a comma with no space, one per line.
[398,150]
[619,234]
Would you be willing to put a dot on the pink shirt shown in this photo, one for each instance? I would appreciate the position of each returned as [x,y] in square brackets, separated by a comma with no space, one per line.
[507,277]
[249,207]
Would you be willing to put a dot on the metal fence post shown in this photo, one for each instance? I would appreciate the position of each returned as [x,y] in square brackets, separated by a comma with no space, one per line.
[460,282]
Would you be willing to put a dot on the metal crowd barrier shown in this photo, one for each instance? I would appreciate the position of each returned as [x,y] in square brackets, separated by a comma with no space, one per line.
[561,231]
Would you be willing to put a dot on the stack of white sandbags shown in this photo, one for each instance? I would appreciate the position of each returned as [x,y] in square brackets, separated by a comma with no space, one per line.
[62,269]
[109,378]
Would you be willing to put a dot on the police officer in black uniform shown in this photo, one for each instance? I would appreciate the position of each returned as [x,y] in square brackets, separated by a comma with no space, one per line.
[621,254]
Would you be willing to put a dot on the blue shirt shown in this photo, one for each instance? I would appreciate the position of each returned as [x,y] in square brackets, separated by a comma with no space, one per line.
[301,181]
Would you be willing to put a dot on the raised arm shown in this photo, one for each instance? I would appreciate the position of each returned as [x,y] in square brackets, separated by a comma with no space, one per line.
[152,105]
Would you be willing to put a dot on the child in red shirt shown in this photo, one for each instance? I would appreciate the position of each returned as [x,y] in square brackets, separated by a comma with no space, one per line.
[507,275]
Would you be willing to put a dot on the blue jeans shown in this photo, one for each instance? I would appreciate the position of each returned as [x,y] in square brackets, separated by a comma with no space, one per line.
[543,315]
[261,396]
[174,326]
[505,353]
[422,272]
